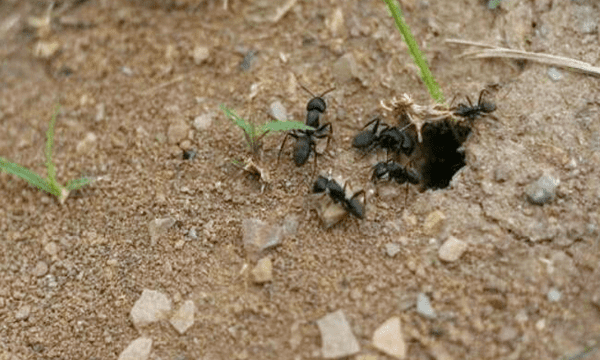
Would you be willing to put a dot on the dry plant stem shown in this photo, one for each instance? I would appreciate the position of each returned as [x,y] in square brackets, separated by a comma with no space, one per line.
[491,51]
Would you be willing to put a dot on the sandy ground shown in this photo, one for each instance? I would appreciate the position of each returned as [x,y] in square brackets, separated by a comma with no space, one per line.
[138,75]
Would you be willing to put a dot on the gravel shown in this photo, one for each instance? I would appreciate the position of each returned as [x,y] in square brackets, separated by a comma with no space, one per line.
[543,190]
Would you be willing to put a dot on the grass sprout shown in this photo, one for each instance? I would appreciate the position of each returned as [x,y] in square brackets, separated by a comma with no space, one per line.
[415,52]
[254,133]
[48,184]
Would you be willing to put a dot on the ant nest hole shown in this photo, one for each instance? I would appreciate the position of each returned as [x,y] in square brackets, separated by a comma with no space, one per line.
[439,153]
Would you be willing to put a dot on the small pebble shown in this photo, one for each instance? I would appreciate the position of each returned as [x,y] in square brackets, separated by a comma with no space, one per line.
[100,112]
[158,227]
[452,249]
[337,338]
[23,312]
[259,235]
[263,271]
[189,154]
[392,249]
[424,306]
[46,49]
[192,234]
[51,248]
[248,60]
[554,74]
[177,131]
[183,318]
[150,307]
[554,295]
[278,111]
[434,223]
[335,23]
[138,349]
[41,269]
[507,333]
[200,54]
[388,338]
[127,71]
[203,122]
[543,190]
[345,69]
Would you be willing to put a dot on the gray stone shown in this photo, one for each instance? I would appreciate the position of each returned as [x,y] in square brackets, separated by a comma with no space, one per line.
[554,74]
[192,234]
[138,349]
[543,190]
[452,249]
[336,336]
[158,227]
[150,307]
[204,121]
[554,295]
[388,338]
[507,333]
[391,249]
[424,306]
[345,69]
[278,111]
[183,318]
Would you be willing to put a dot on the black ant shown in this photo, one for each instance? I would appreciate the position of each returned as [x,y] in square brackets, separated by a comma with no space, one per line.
[471,111]
[396,172]
[391,138]
[305,139]
[338,195]
[315,107]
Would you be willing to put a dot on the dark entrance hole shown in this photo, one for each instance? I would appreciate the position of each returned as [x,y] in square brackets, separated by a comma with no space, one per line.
[440,157]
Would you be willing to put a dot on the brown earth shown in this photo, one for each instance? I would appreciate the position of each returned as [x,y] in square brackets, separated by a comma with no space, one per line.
[125,71]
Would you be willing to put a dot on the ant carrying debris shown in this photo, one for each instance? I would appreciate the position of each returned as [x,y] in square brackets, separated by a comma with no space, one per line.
[391,138]
[338,194]
[305,139]
[396,172]
[472,112]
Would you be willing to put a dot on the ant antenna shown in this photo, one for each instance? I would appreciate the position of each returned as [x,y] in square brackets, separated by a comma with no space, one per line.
[312,94]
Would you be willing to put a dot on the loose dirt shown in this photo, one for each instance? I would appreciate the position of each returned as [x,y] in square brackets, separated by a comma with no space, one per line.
[138,74]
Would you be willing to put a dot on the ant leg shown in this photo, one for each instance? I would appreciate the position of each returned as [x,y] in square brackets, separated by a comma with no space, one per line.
[376,120]
[469,101]
[283,144]
[313,148]
[484,91]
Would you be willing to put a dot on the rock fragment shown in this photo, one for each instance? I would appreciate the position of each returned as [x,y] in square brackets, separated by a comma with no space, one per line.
[158,227]
[278,111]
[23,312]
[452,249]
[392,249]
[259,235]
[388,338]
[183,318]
[434,222]
[336,336]
[345,69]
[150,307]
[543,190]
[138,349]
[177,131]
[203,122]
[554,295]
[263,271]
[41,269]
[200,54]
[424,306]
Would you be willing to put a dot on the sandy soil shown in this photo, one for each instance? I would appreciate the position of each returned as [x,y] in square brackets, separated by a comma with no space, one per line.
[125,71]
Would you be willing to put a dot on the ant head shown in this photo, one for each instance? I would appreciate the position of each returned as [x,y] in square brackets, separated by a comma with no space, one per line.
[488,107]
[316,103]
[320,184]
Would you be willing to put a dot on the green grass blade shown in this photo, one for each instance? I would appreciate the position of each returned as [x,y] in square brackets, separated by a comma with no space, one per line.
[27,175]
[415,52]
[78,183]
[284,126]
[49,144]
[244,125]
